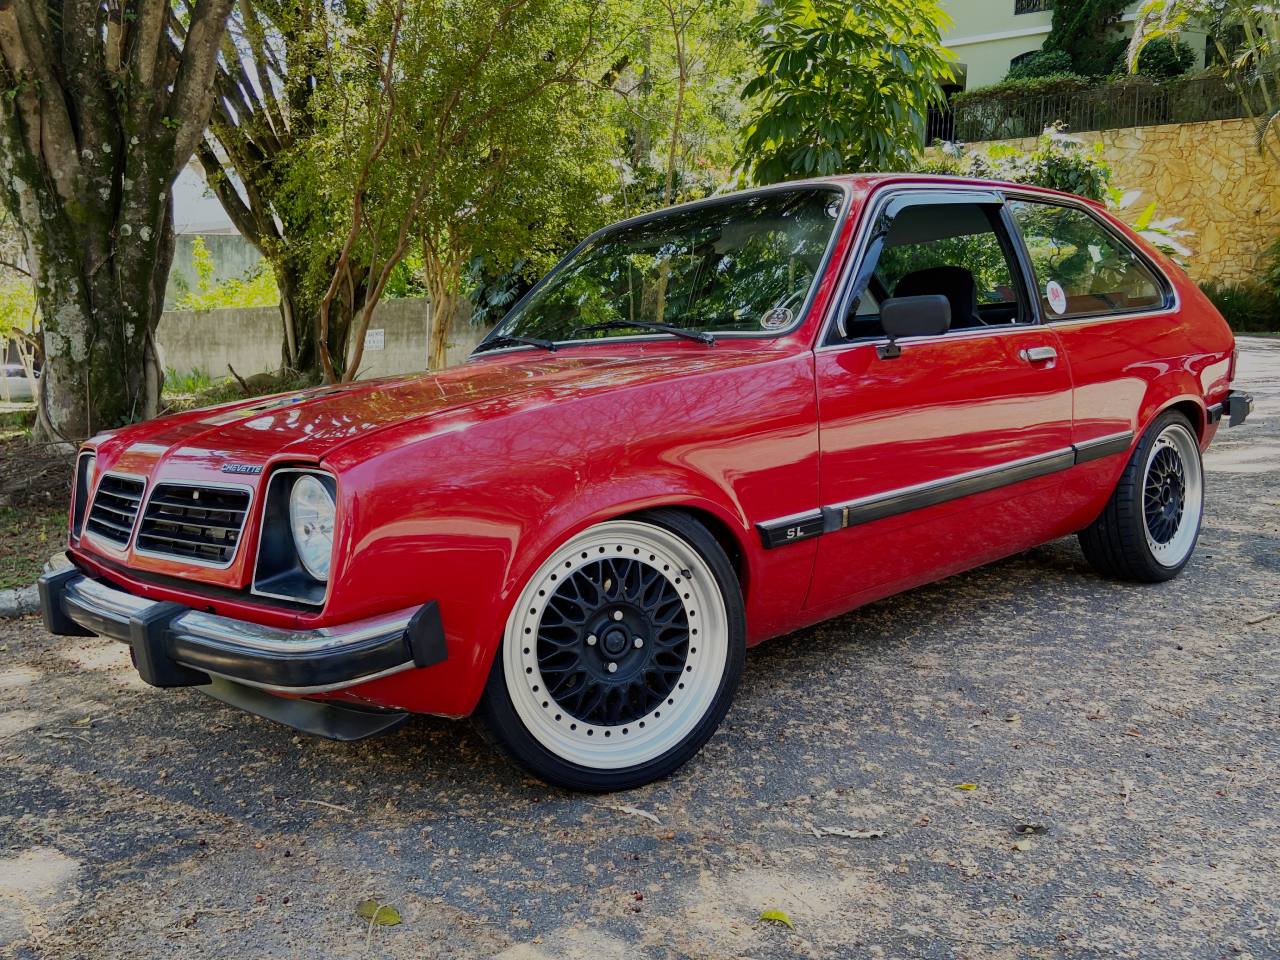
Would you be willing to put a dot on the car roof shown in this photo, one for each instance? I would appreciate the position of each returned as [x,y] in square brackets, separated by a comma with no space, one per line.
[857,183]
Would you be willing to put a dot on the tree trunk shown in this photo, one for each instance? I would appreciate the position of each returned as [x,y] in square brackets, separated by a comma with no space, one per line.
[98,119]
[443,277]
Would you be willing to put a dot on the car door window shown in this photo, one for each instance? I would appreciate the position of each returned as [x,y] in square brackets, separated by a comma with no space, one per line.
[959,250]
[1083,269]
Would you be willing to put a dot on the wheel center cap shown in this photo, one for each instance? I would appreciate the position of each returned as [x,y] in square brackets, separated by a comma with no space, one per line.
[615,641]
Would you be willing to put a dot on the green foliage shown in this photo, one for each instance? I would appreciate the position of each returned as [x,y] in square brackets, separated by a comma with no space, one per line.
[1058,162]
[193,381]
[257,289]
[1064,163]
[1086,31]
[842,87]
[1165,57]
[1042,63]
[1246,37]
[17,307]
[1247,307]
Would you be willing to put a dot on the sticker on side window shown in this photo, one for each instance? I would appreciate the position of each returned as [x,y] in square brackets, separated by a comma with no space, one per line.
[1056,296]
[776,319]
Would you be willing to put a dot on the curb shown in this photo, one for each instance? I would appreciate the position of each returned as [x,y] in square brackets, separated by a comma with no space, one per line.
[19,602]
[24,601]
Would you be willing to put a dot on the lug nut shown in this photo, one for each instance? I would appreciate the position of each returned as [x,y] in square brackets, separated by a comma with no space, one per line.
[591,640]
[639,643]
[617,614]
[613,668]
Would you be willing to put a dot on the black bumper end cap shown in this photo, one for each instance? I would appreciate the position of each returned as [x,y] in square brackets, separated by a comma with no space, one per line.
[148,636]
[329,720]
[51,586]
[425,636]
[1238,407]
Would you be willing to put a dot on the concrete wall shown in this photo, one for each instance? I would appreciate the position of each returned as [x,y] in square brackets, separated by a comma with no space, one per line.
[1211,175]
[234,258]
[250,339]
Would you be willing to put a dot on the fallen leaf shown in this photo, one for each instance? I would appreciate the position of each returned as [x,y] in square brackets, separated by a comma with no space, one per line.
[637,812]
[850,834]
[1023,844]
[777,916]
[383,914]
[966,786]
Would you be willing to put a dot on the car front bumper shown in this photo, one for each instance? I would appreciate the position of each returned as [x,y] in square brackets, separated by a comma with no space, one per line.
[176,646]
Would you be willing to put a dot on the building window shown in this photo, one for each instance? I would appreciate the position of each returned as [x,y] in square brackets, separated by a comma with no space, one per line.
[1032,6]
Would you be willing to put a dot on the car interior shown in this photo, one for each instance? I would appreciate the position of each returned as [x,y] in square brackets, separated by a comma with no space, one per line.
[958,251]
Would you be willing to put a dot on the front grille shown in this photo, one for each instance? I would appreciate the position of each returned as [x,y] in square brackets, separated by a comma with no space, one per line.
[194,523]
[115,508]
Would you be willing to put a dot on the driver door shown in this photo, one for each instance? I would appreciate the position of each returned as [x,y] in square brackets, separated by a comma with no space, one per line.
[949,453]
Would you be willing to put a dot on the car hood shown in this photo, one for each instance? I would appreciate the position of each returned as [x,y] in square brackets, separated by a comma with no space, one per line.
[310,424]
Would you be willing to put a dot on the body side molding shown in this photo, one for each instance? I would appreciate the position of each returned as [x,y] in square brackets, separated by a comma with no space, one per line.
[828,519]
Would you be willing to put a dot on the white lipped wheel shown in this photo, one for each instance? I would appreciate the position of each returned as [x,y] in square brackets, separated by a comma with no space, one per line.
[1172,495]
[621,654]
[1149,528]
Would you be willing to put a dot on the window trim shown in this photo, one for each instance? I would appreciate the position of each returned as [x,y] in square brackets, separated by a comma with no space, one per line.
[919,194]
[841,187]
[1171,302]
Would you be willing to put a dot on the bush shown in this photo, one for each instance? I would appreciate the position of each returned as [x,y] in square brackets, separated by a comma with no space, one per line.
[1042,63]
[1058,161]
[1165,58]
[1247,307]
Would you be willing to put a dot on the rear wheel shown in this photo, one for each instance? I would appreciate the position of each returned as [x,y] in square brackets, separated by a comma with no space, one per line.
[1150,526]
[621,655]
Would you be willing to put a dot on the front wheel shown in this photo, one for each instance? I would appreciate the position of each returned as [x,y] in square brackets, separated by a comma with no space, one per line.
[621,655]
[1150,526]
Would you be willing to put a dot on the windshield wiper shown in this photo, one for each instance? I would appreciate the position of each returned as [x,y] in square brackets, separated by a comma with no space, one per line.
[687,334]
[511,338]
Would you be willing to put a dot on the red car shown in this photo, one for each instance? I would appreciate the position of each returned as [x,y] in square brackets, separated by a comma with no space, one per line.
[706,427]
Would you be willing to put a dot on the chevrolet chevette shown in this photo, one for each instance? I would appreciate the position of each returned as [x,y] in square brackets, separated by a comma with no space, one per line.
[706,427]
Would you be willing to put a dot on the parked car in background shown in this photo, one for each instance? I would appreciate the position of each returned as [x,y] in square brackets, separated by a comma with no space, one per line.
[706,427]
[15,385]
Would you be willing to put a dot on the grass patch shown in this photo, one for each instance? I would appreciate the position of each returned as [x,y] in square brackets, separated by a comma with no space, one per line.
[29,537]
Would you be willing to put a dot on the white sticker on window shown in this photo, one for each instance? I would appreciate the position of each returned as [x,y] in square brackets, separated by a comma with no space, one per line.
[1056,296]
[1095,251]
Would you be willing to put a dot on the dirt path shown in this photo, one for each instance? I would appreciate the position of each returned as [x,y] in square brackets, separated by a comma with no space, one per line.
[1139,726]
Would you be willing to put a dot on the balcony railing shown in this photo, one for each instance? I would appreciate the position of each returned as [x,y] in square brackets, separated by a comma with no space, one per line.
[1007,115]
[1032,6]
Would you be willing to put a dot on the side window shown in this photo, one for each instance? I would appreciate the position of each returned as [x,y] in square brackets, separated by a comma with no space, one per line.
[1082,269]
[958,250]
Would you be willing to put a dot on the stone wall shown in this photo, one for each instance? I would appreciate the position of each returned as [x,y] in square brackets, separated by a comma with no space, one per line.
[1211,175]
[250,339]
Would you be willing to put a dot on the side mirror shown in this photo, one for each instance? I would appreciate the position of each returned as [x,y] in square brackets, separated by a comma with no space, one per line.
[925,316]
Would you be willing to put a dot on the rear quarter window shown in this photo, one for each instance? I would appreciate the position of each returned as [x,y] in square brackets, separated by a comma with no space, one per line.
[1082,268]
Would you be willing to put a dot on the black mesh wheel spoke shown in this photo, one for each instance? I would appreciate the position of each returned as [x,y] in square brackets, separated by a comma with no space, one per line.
[593,620]
[1164,495]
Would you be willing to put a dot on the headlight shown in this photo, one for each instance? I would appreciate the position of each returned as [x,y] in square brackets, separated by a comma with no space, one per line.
[311,512]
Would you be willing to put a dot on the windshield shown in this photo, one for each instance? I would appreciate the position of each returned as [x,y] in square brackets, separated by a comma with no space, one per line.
[743,265]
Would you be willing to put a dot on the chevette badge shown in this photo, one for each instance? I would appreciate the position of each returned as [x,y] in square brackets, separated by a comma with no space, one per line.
[251,468]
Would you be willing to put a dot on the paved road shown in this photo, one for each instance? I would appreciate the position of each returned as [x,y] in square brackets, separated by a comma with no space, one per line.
[1138,725]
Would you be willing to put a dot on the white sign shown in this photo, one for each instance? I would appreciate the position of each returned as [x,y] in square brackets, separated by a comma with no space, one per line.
[374,339]
[1056,296]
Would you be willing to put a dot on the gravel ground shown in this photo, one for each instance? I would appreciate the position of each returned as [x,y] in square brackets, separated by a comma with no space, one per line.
[1137,726]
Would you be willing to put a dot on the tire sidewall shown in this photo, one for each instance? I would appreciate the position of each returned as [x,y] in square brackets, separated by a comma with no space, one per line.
[500,715]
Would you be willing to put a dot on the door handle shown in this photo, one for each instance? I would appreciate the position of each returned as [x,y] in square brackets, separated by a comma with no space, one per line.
[1039,354]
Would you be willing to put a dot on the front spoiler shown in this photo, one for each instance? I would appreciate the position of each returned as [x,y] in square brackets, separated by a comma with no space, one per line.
[176,646]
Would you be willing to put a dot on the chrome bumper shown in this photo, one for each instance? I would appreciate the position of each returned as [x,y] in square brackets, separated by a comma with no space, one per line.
[176,646]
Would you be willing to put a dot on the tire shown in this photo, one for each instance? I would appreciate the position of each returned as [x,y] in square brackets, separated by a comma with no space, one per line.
[552,701]
[1148,530]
